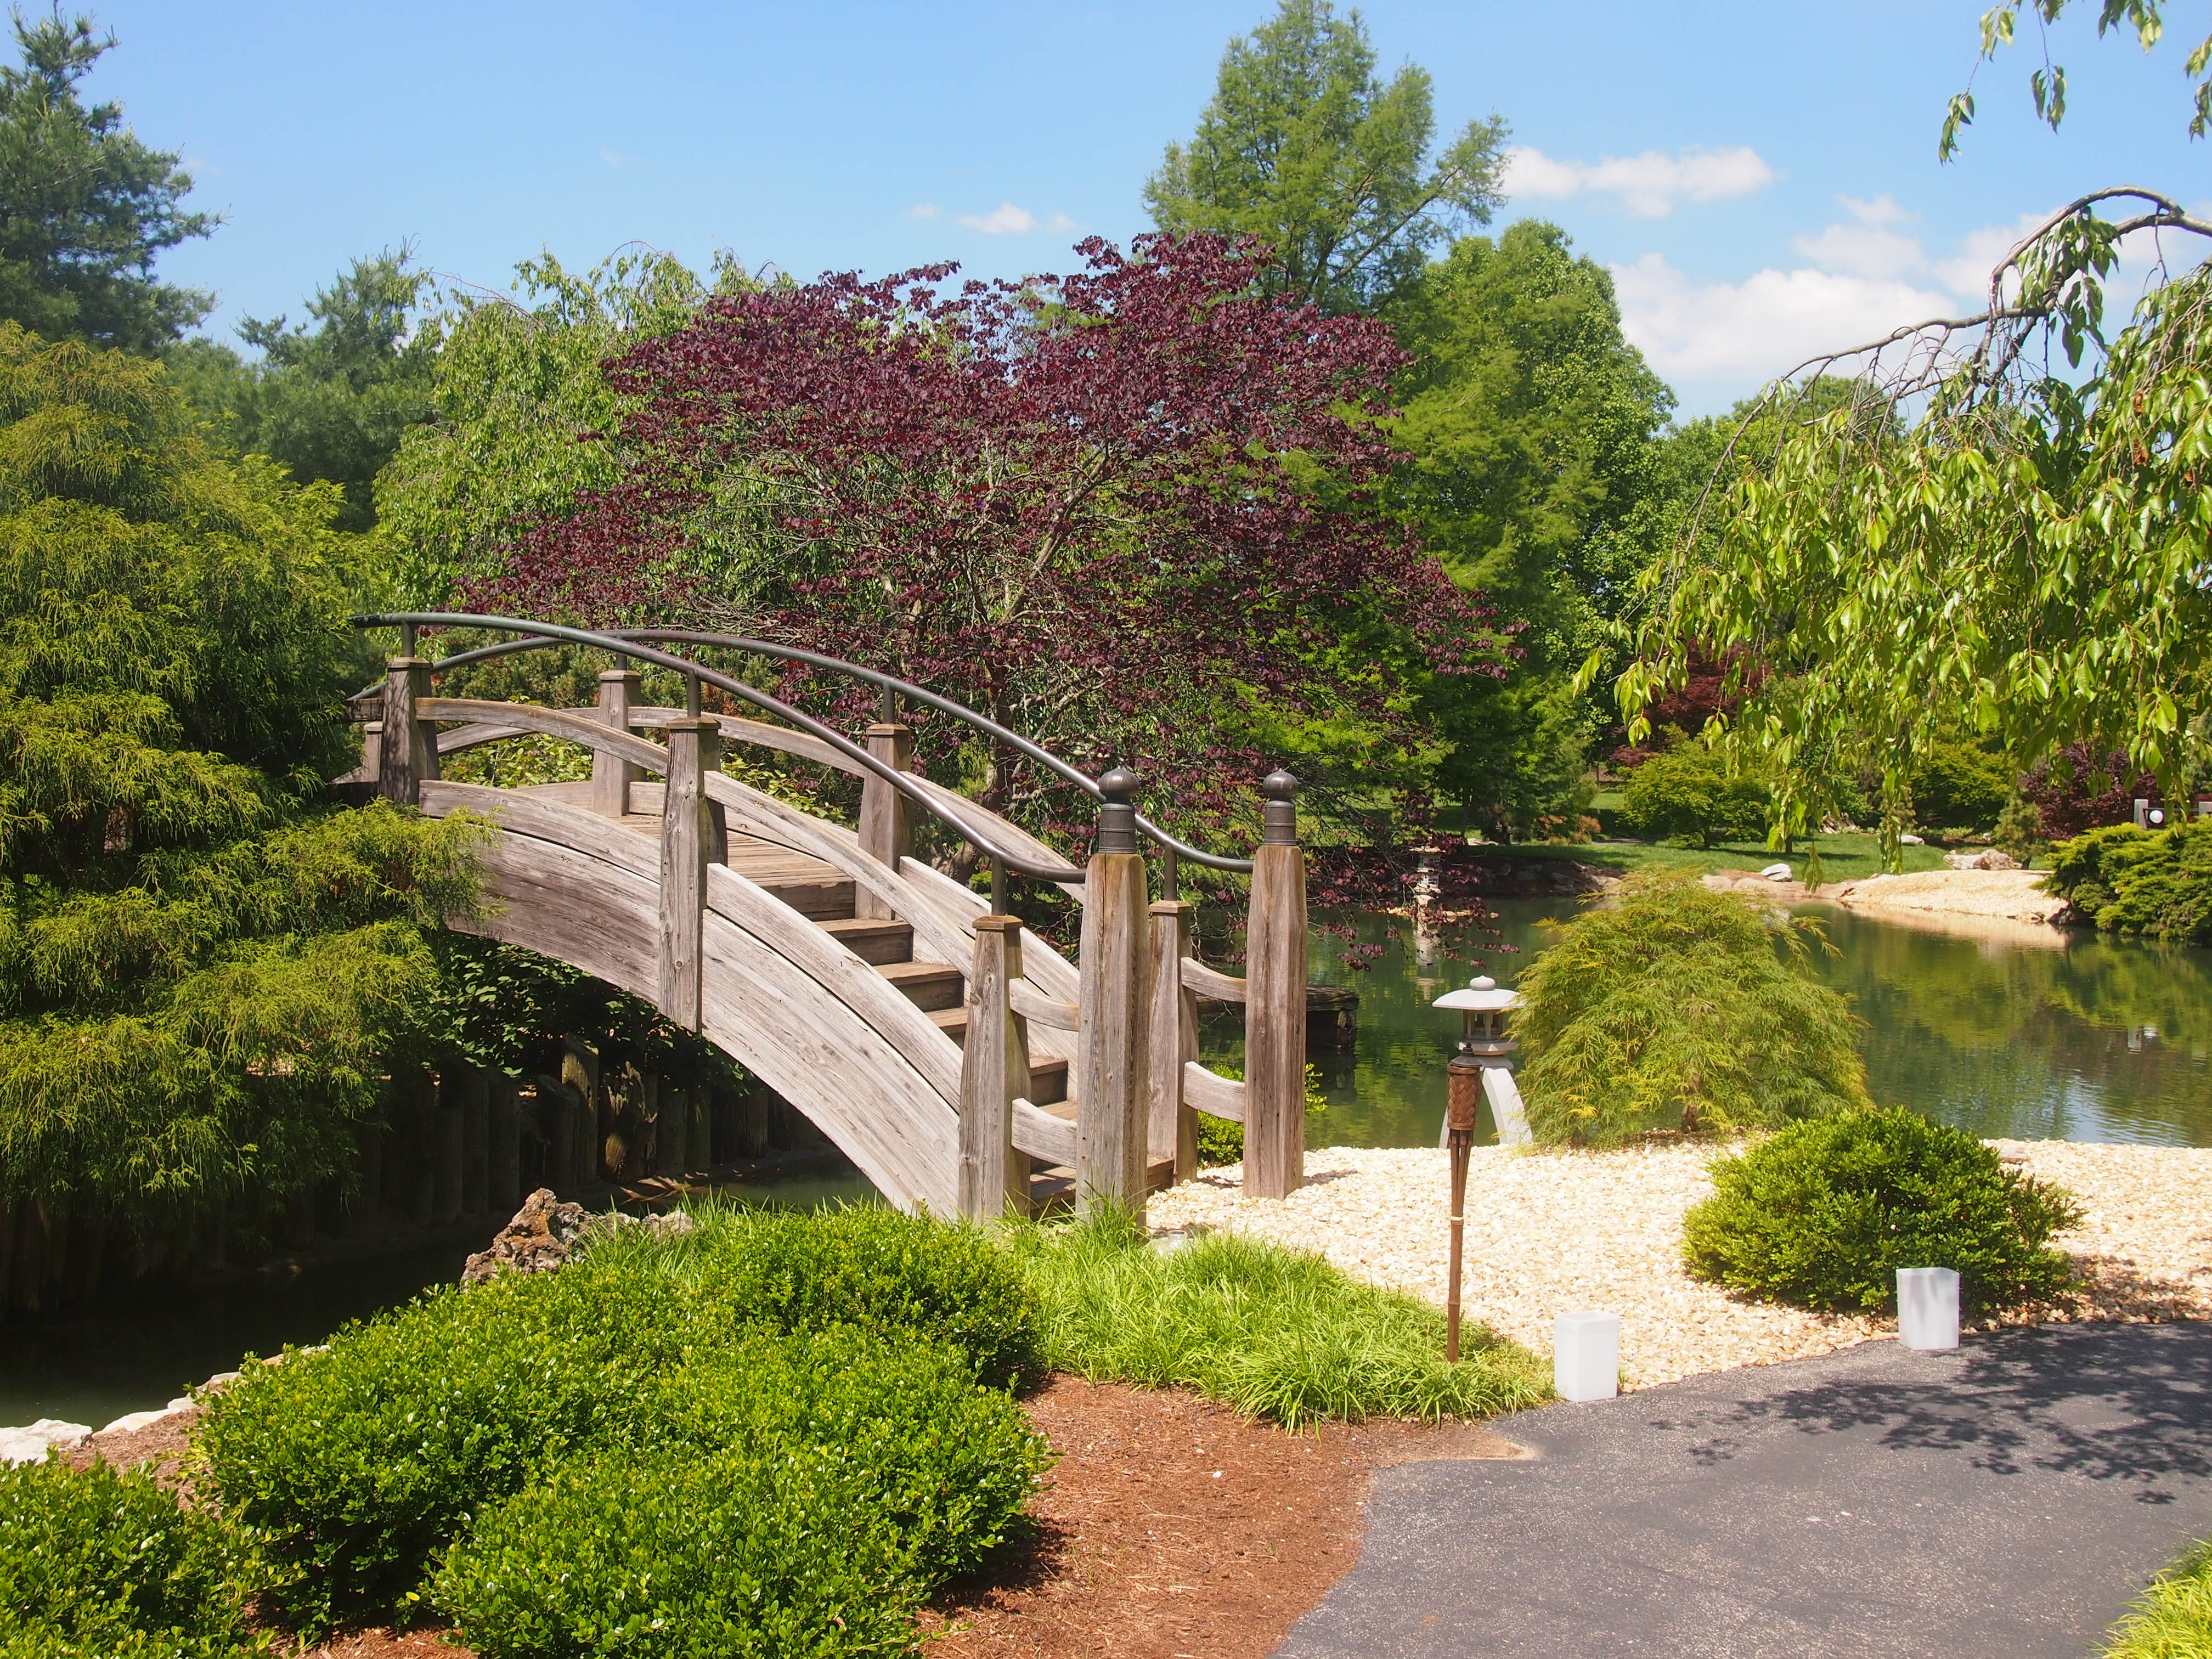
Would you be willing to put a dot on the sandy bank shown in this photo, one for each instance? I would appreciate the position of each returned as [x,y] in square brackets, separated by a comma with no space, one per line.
[1551,1231]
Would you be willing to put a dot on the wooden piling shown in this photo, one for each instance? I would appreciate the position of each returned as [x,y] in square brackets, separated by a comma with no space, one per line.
[886,829]
[611,775]
[1275,1011]
[476,1132]
[1115,1011]
[502,1145]
[407,750]
[686,830]
[1172,1126]
[446,1150]
[994,1072]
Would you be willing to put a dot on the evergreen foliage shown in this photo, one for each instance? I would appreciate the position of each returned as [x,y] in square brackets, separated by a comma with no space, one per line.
[330,401]
[200,963]
[2156,883]
[1671,1007]
[1824,1213]
[84,206]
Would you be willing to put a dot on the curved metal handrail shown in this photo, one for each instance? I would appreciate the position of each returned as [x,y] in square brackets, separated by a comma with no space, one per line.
[861,758]
[906,688]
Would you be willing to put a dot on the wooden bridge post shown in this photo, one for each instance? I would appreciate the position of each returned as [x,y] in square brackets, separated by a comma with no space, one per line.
[994,1071]
[686,829]
[1173,1131]
[611,775]
[1114,1010]
[407,750]
[1275,1011]
[886,827]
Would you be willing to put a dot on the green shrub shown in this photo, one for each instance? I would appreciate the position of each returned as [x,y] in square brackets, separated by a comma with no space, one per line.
[2172,1619]
[2157,883]
[102,1562]
[1276,1334]
[352,1467]
[1959,786]
[1686,794]
[1824,1214]
[757,1554]
[803,1490]
[863,1264]
[1670,1006]
[355,1468]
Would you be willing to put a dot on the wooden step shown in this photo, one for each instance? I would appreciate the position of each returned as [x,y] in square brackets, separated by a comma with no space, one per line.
[1053,1189]
[930,986]
[874,941]
[1048,1072]
[823,899]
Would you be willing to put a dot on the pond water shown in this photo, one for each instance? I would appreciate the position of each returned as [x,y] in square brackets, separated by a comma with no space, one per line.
[139,1353]
[2015,1031]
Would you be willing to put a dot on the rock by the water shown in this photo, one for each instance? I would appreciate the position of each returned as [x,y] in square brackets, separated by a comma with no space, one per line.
[1776,872]
[28,1445]
[1988,858]
[545,1233]
[1911,840]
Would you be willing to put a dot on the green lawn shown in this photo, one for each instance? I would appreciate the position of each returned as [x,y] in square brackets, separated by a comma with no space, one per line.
[1843,858]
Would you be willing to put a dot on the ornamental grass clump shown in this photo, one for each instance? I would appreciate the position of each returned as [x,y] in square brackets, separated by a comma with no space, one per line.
[1824,1214]
[1672,1006]
[103,1562]
[1276,1333]
[2173,1618]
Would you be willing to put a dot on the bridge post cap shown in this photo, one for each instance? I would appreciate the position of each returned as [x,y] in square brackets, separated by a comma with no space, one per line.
[608,674]
[998,924]
[1117,817]
[1280,785]
[1118,784]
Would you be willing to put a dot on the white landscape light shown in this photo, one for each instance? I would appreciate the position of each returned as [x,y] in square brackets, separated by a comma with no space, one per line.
[1586,1355]
[1927,1307]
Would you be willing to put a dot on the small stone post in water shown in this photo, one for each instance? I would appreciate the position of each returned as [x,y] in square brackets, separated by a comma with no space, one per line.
[686,832]
[1114,1010]
[611,775]
[407,748]
[1275,1005]
[1173,1126]
[886,831]
[994,1071]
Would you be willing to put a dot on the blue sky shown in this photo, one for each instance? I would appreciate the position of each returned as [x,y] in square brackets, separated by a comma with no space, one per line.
[1762,177]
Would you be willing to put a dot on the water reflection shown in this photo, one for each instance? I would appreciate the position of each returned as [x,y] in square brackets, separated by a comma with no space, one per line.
[2081,1039]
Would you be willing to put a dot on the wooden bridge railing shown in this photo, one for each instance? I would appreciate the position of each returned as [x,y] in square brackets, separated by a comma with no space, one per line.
[1135,1078]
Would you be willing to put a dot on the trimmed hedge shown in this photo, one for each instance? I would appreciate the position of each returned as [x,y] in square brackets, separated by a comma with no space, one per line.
[1824,1213]
[355,1469]
[107,1563]
[2156,883]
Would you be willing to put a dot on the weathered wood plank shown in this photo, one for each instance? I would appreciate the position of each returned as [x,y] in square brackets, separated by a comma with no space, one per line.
[736,729]
[1171,1127]
[1211,981]
[886,832]
[1208,1091]
[1048,1139]
[1048,1012]
[994,1072]
[581,728]
[1115,1001]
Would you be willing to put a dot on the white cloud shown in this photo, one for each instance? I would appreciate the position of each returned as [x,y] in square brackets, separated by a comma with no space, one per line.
[922,210]
[1868,247]
[613,158]
[1758,328]
[1647,187]
[1008,220]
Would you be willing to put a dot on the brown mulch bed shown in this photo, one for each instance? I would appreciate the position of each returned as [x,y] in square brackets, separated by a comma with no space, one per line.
[1170,1529]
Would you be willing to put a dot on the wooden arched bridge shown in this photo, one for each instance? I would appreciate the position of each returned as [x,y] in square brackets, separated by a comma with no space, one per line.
[962,1063]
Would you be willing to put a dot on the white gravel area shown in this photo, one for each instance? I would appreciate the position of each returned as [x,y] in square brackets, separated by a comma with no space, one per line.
[1553,1232]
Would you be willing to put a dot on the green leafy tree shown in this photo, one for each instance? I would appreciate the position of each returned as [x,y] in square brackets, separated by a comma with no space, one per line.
[2047,84]
[1671,1007]
[202,966]
[84,207]
[1531,429]
[517,393]
[331,401]
[1304,148]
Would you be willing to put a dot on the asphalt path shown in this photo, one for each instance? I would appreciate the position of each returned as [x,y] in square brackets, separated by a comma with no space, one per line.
[2007,1500]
